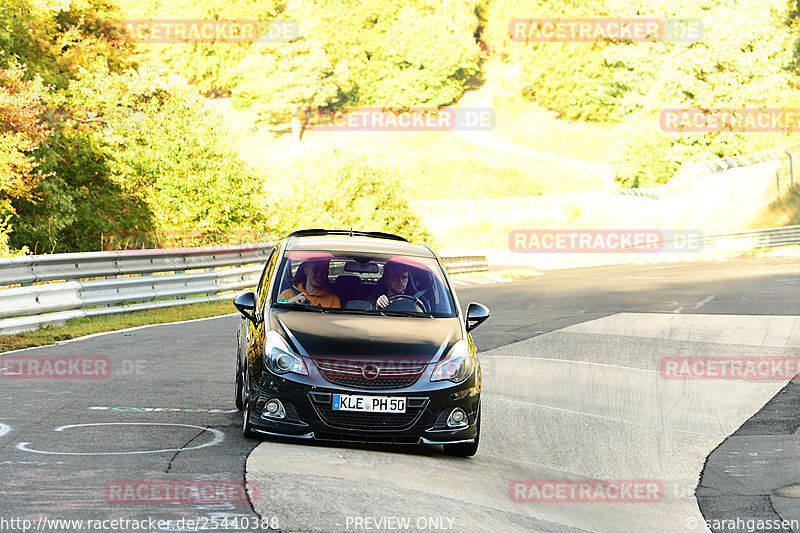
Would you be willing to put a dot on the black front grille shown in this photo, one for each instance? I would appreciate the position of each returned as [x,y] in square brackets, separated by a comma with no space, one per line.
[366,439]
[363,383]
[391,375]
[367,420]
[364,420]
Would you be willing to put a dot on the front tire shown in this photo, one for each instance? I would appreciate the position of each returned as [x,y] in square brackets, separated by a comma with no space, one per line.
[239,381]
[239,389]
[465,449]
[247,428]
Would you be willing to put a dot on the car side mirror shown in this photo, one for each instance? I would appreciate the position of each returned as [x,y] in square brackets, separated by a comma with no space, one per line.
[246,304]
[476,315]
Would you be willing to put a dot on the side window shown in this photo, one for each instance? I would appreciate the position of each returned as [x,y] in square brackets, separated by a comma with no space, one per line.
[263,283]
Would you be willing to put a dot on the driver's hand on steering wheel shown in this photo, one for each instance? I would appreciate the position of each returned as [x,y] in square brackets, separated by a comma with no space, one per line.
[382,301]
[299,299]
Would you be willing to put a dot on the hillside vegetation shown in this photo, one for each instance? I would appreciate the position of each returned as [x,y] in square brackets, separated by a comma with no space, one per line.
[404,54]
[747,58]
[101,146]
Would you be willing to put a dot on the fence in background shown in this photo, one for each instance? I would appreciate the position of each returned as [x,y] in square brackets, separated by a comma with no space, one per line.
[58,287]
[783,158]
[509,210]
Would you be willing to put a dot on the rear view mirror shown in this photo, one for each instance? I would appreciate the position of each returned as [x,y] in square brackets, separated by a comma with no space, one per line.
[476,315]
[246,304]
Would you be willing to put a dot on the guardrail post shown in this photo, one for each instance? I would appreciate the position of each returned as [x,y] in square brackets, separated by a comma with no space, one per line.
[791,170]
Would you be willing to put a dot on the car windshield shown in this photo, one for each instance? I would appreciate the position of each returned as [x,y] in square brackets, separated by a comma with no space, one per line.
[363,283]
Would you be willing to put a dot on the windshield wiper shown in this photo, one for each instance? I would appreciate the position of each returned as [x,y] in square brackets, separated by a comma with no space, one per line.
[350,311]
[411,314]
[301,307]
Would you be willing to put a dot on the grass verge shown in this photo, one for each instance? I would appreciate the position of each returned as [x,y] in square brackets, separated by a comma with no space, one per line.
[78,327]
[432,164]
[785,211]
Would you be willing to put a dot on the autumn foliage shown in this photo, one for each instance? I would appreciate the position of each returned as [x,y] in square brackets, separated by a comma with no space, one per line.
[21,132]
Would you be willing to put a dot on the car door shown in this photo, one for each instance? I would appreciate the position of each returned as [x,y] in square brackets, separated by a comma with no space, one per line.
[256,332]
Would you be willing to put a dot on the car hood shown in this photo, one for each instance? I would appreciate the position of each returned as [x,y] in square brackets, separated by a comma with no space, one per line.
[332,335]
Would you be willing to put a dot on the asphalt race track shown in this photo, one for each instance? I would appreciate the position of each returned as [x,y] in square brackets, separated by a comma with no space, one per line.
[572,391]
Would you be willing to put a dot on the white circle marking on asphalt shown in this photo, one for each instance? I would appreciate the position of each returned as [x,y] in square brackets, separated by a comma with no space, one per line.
[219,436]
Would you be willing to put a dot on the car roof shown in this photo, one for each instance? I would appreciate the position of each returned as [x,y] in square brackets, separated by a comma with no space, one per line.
[357,244]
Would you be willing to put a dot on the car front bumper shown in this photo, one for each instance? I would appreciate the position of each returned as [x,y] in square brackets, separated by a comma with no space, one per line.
[309,413]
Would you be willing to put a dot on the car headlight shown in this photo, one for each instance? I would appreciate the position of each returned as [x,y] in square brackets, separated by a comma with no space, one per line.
[457,366]
[279,358]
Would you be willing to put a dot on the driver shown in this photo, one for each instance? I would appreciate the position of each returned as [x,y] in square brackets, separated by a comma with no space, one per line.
[393,281]
[311,286]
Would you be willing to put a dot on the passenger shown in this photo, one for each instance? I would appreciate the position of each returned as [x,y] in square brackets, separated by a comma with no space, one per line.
[393,281]
[311,286]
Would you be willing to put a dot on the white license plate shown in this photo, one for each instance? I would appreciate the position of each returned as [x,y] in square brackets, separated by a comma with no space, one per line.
[373,404]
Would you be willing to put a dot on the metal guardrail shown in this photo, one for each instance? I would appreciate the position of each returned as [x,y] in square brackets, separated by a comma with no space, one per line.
[744,240]
[58,287]
[55,288]
[36,268]
[760,238]
[471,263]
[639,193]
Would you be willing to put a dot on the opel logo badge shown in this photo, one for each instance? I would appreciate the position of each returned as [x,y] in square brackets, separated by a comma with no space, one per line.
[370,371]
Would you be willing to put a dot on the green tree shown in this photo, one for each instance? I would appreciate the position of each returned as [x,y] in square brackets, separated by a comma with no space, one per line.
[421,58]
[278,82]
[54,39]
[351,193]
[21,133]
[210,66]
[176,153]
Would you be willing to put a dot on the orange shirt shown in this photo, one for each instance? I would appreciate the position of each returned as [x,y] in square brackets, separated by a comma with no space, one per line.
[324,298]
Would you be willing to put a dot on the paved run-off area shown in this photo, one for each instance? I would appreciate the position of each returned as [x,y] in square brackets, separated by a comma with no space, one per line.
[572,391]
[589,401]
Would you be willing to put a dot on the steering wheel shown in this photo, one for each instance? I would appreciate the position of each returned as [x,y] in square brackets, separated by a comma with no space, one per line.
[414,299]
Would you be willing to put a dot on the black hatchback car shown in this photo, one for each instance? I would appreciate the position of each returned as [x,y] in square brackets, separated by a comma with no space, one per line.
[358,337]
